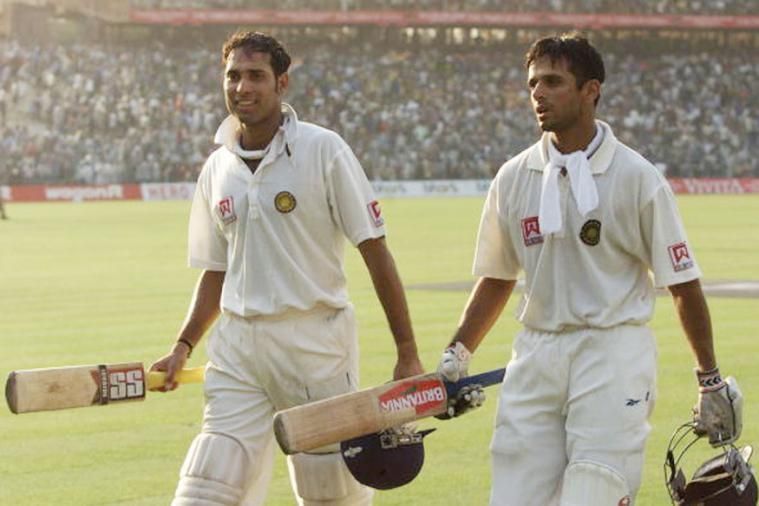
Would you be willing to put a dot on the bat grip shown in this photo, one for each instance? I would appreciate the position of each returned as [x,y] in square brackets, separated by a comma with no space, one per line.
[484,379]
[156,379]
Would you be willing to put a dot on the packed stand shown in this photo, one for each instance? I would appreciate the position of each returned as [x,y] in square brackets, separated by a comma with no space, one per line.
[567,6]
[92,115]
[97,116]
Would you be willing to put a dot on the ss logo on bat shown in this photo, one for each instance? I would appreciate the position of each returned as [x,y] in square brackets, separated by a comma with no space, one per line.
[126,385]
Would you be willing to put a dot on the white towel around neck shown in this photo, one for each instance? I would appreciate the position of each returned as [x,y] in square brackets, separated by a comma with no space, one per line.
[249,154]
[580,181]
[228,134]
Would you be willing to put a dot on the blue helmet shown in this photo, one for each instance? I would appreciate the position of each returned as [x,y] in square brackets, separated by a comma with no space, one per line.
[387,459]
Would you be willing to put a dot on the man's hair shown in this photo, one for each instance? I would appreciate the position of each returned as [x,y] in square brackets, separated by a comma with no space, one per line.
[257,42]
[583,60]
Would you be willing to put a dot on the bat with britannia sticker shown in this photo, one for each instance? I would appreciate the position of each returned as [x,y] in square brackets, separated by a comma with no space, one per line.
[52,388]
[310,426]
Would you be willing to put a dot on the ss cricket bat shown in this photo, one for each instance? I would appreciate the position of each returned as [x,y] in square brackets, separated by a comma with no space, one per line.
[310,426]
[86,385]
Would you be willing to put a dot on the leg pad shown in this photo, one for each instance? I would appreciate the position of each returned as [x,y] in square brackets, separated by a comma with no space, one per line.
[323,479]
[588,483]
[213,474]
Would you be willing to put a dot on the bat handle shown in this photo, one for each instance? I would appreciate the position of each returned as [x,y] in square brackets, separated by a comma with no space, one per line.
[484,379]
[156,379]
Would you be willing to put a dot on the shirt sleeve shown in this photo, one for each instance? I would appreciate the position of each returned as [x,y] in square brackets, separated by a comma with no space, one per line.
[494,256]
[352,202]
[207,246]
[670,256]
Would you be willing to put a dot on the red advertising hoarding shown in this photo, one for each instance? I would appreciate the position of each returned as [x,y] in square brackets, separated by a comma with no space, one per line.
[71,193]
[438,18]
[383,189]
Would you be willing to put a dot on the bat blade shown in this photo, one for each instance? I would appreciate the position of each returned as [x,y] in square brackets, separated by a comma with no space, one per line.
[310,426]
[54,388]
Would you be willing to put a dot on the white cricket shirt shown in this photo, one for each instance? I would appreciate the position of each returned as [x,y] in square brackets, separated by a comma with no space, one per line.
[595,272]
[279,232]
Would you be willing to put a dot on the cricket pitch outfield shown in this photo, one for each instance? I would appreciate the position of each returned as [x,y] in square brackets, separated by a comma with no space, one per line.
[107,282]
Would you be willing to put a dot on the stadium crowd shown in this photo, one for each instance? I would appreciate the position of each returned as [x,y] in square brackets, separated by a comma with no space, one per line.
[98,115]
[569,6]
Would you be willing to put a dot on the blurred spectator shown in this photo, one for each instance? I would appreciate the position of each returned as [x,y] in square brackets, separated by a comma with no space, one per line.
[101,115]
[566,6]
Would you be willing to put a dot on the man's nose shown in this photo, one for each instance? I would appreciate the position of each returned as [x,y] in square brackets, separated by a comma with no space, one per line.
[243,84]
[537,92]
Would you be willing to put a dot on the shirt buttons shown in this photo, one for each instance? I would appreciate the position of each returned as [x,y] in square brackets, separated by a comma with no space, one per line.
[254,211]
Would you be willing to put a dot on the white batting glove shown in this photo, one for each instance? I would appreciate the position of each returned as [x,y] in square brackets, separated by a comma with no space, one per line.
[454,364]
[468,398]
[719,412]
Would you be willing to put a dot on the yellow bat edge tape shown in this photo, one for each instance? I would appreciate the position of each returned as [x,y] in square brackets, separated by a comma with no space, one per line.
[193,375]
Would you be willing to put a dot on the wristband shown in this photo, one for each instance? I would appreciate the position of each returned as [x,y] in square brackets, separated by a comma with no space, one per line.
[709,381]
[188,344]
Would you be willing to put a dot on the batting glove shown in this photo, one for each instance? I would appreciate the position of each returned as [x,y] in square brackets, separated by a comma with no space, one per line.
[454,363]
[719,412]
[468,398]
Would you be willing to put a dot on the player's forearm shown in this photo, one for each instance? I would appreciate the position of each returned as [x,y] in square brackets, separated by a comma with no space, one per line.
[485,304]
[693,312]
[204,307]
[390,292]
[389,288]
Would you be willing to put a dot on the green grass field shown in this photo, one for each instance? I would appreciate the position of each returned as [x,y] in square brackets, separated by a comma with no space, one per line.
[107,282]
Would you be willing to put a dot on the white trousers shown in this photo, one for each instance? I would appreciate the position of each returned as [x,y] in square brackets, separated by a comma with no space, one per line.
[580,395]
[260,365]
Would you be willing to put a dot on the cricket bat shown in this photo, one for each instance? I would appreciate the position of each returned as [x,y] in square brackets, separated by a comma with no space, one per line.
[52,388]
[310,426]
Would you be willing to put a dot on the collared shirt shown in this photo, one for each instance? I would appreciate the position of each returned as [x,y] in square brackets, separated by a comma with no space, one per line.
[279,232]
[597,273]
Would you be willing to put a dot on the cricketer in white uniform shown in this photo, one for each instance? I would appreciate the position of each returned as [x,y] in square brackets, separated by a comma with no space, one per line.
[272,208]
[586,228]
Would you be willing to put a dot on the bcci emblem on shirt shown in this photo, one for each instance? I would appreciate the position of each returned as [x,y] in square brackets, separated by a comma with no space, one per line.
[285,202]
[590,233]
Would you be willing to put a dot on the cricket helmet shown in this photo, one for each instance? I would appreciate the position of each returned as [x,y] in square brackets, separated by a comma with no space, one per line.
[726,479]
[387,459]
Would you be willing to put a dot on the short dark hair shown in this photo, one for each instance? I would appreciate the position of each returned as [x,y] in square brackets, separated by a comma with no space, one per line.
[258,42]
[583,60]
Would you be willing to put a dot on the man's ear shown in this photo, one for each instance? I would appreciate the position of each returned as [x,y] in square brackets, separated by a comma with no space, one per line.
[283,81]
[592,89]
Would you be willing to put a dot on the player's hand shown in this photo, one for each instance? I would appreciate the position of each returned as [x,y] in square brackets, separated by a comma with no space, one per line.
[719,411]
[468,398]
[454,364]
[407,367]
[171,364]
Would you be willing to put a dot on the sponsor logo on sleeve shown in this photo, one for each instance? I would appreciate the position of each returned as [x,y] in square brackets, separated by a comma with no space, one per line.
[375,213]
[531,231]
[422,396]
[680,257]
[226,210]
